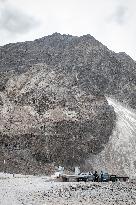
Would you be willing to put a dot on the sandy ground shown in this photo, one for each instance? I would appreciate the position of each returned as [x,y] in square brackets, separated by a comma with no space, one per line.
[22,189]
[33,190]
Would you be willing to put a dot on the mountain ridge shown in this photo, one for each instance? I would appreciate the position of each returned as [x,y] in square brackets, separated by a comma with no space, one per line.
[52,100]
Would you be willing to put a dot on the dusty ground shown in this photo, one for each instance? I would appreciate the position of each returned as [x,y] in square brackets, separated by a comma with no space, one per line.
[32,190]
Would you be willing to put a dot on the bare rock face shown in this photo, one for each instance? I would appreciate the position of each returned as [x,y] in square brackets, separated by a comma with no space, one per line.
[53,108]
[47,118]
[93,63]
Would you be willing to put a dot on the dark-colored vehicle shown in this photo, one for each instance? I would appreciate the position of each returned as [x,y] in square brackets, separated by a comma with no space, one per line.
[106,177]
[113,178]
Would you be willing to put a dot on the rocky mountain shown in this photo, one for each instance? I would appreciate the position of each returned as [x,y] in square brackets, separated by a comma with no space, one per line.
[53,108]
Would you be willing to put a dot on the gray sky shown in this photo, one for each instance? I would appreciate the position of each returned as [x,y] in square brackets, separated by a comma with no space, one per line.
[110,21]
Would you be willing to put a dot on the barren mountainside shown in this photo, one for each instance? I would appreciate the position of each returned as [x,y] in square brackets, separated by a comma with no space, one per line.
[53,106]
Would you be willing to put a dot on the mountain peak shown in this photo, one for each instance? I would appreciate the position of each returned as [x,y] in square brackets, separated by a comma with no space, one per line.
[52,101]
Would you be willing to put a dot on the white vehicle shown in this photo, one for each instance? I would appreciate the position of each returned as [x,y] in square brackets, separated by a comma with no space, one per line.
[85,176]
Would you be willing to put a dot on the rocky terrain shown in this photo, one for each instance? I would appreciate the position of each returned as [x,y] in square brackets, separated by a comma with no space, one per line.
[32,190]
[119,154]
[53,106]
[92,193]
[97,69]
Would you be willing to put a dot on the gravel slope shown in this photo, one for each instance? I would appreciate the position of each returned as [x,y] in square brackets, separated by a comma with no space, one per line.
[32,190]
[119,155]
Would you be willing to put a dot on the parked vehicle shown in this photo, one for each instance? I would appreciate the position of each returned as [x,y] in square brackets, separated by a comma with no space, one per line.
[93,177]
[106,177]
[88,176]
[113,178]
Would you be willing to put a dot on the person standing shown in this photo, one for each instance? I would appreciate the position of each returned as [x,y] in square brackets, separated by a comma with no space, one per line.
[101,176]
[96,176]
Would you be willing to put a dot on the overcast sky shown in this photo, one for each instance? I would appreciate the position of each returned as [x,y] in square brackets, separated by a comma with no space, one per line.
[112,22]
